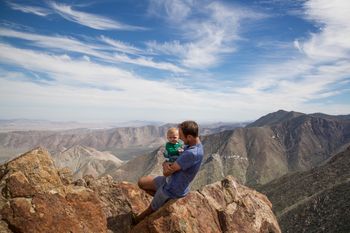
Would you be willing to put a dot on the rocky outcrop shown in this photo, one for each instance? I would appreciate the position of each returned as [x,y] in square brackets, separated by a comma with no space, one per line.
[35,199]
[224,206]
[119,201]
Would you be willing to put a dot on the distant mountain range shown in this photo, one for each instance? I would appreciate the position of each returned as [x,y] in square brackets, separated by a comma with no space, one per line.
[316,200]
[27,124]
[274,145]
[125,142]
[45,125]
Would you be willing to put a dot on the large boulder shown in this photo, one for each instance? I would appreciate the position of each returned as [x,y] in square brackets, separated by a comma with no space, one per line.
[119,201]
[224,206]
[34,199]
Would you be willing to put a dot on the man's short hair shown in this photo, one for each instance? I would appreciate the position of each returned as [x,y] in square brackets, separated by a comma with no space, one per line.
[189,128]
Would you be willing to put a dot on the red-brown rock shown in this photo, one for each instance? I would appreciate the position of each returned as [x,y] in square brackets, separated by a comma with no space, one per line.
[34,199]
[224,206]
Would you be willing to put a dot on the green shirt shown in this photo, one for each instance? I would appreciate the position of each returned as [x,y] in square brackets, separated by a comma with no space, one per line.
[172,151]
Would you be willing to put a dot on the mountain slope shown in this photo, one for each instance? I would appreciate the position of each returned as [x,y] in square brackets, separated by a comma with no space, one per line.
[147,164]
[257,155]
[317,200]
[82,160]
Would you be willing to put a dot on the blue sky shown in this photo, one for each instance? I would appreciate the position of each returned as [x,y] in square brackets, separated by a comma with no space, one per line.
[168,61]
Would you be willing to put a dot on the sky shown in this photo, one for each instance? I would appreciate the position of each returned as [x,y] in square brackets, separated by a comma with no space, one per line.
[173,60]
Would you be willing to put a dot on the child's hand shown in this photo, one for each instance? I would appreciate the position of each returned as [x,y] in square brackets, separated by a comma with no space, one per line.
[180,150]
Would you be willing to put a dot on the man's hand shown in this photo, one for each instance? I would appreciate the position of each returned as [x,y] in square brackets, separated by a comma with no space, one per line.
[170,168]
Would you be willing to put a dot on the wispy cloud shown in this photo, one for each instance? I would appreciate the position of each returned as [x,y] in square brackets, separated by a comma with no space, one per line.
[120,46]
[323,62]
[208,33]
[81,84]
[331,42]
[90,20]
[105,51]
[40,11]
[83,79]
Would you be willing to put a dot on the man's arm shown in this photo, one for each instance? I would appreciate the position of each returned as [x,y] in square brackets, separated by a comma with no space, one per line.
[170,168]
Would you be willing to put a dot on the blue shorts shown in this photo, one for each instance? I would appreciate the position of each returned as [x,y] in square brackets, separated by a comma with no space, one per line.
[160,198]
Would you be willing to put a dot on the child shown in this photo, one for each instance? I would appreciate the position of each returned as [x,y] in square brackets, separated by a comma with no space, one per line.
[173,147]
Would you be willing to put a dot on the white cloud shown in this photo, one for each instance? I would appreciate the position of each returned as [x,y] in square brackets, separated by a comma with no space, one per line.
[101,51]
[332,41]
[90,20]
[320,71]
[121,46]
[175,10]
[30,9]
[98,91]
[208,31]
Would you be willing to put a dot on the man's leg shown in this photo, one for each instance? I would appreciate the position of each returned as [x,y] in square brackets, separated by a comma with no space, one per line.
[147,183]
[159,199]
[144,214]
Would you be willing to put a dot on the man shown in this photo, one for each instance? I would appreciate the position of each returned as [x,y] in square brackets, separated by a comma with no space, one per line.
[181,172]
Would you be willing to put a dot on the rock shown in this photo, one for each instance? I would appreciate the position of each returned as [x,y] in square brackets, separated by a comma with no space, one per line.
[66,175]
[119,200]
[224,206]
[34,199]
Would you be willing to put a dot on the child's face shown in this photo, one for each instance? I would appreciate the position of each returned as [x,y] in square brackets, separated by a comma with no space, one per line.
[173,138]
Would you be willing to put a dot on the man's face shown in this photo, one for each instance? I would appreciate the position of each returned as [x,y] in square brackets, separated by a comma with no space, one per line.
[182,136]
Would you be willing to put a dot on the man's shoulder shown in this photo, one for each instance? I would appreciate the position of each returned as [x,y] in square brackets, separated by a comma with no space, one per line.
[196,149]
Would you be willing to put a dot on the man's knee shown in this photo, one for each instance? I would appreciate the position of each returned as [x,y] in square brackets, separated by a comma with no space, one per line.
[146,183]
[141,182]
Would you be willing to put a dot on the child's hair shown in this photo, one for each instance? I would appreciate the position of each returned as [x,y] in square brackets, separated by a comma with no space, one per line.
[171,131]
[189,128]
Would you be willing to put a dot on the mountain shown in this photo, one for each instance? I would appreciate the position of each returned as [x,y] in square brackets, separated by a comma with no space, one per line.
[211,128]
[26,125]
[256,155]
[147,164]
[316,200]
[125,142]
[119,141]
[275,118]
[274,145]
[37,197]
[84,160]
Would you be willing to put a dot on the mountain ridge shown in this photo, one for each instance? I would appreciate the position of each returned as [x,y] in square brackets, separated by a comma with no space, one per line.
[313,199]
